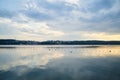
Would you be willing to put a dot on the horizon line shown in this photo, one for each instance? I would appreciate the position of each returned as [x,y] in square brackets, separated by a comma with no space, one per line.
[60,40]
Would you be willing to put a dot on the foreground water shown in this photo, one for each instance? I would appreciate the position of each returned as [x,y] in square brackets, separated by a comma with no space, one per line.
[60,62]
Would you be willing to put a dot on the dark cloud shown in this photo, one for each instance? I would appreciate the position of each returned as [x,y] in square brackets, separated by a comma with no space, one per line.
[58,6]
[36,15]
[97,5]
[47,11]
[6,13]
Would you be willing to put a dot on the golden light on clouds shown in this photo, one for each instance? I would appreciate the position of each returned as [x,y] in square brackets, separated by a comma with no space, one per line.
[102,36]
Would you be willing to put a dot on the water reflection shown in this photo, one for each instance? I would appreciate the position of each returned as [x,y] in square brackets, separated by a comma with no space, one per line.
[60,63]
[32,57]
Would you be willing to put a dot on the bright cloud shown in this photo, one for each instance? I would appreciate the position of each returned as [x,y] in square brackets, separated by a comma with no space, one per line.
[38,29]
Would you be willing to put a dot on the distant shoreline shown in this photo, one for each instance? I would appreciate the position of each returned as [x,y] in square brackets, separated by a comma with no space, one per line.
[57,42]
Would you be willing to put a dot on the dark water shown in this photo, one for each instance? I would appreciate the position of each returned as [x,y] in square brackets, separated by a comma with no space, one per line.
[60,62]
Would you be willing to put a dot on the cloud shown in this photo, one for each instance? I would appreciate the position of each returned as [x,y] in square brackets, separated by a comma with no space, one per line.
[40,29]
[95,6]
[62,19]
[37,15]
[45,10]
[9,27]
[6,13]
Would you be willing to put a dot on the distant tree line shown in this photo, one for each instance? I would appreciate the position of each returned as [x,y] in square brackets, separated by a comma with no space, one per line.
[51,42]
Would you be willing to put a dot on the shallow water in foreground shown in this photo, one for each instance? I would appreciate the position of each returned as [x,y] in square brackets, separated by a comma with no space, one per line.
[60,62]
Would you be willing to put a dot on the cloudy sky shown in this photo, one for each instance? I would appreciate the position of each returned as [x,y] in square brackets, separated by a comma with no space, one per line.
[60,19]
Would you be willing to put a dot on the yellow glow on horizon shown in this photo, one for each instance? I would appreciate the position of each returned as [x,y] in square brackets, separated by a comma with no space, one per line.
[102,36]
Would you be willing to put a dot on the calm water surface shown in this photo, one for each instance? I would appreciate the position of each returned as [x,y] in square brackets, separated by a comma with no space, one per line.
[60,62]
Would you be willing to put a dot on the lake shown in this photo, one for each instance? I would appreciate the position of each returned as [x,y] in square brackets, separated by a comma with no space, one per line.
[60,62]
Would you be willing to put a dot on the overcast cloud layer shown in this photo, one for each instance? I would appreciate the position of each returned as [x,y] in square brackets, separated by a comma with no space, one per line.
[60,19]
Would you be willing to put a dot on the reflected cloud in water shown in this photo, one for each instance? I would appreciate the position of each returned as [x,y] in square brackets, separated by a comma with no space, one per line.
[32,57]
[60,63]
